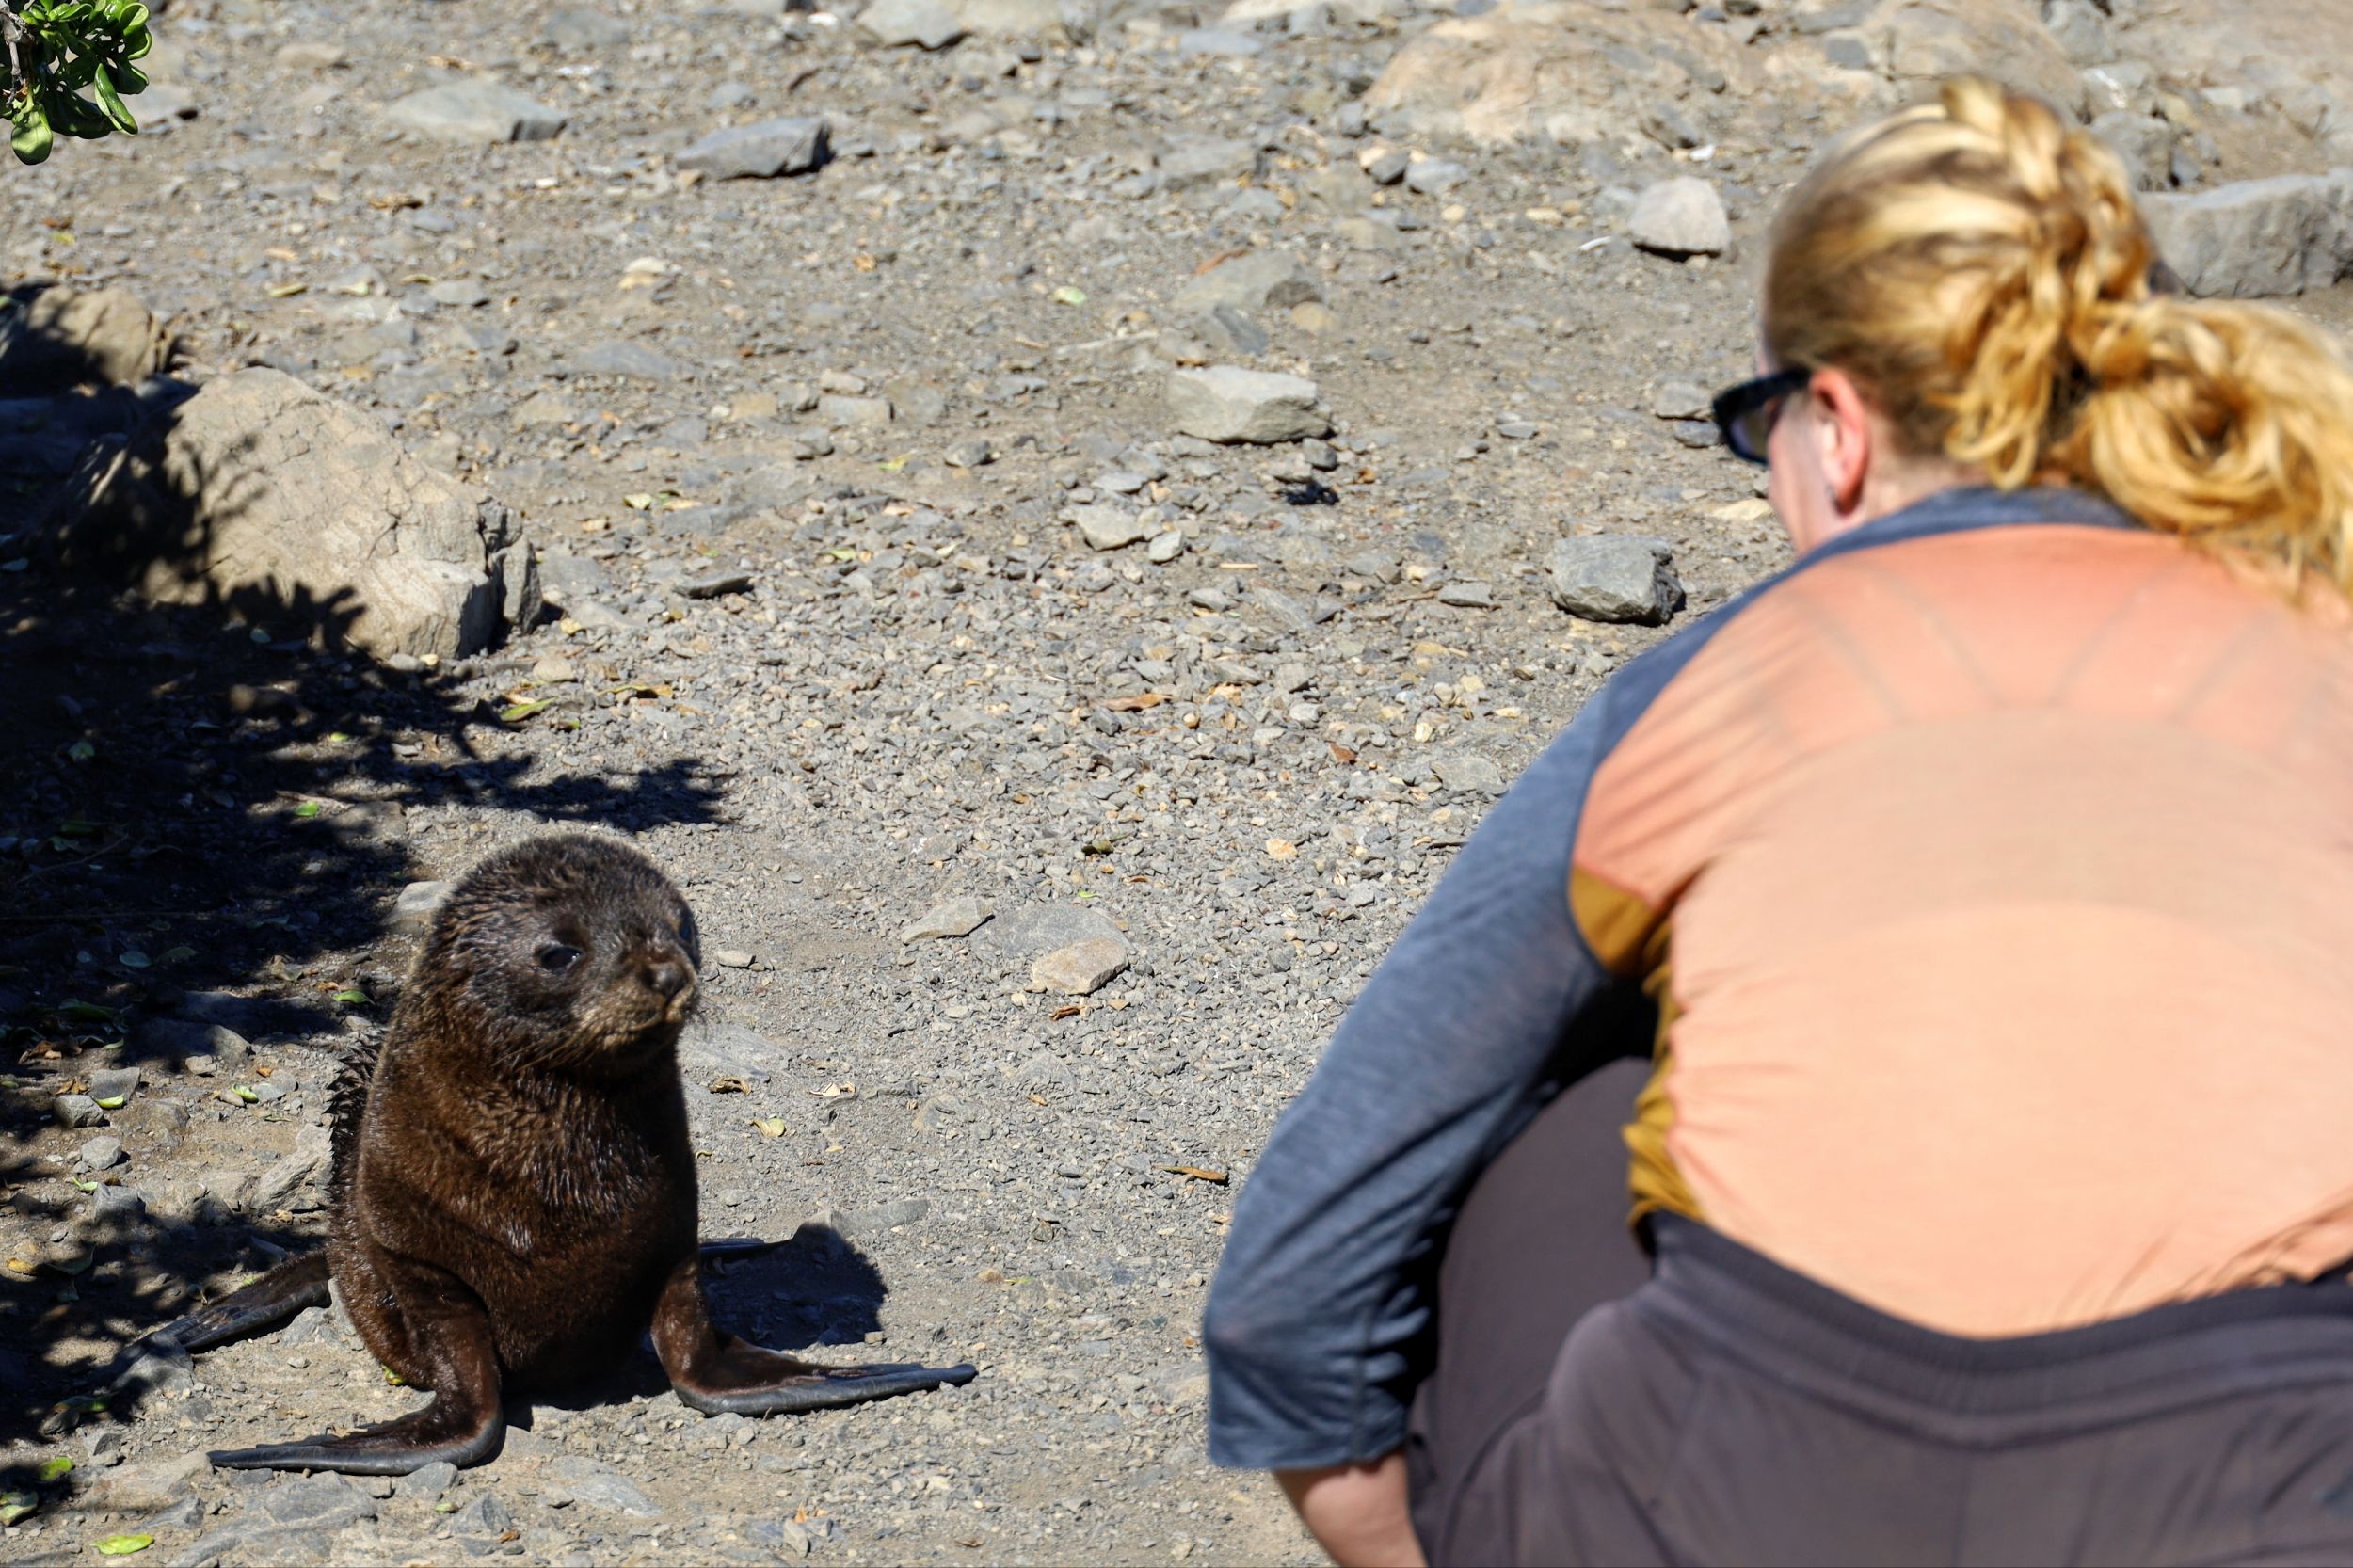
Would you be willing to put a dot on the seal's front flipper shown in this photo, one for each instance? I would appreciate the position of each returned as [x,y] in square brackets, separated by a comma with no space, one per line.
[277,1295]
[815,1388]
[442,1430]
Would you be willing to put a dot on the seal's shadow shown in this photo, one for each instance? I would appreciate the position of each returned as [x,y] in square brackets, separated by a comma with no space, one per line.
[811,1291]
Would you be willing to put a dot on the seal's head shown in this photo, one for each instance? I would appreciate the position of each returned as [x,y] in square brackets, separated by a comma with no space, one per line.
[565,950]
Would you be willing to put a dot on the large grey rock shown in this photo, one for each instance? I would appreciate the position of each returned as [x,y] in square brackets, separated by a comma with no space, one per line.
[286,1174]
[1040,928]
[2144,142]
[298,511]
[192,1046]
[957,915]
[578,1479]
[708,1049]
[1080,969]
[479,111]
[1229,405]
[894,24]
[793,145]
[621,357]
[66,337]
[1262,281]
[1107,527]
[1611,577]
[2258,238]
[1205,161]
[1681,218]
[1039,19]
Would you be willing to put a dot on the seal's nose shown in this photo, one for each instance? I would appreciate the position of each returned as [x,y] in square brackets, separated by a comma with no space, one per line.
[668,970]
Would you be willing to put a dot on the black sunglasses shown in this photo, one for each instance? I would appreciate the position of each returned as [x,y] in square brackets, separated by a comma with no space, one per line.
[1745,414]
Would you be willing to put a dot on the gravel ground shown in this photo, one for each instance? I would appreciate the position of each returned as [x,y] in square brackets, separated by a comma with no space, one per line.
[802,456]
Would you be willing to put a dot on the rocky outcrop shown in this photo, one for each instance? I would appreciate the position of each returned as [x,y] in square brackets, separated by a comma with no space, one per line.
[293,510]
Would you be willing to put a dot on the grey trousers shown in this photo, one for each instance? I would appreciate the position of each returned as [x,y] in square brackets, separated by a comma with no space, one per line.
[1724,1410]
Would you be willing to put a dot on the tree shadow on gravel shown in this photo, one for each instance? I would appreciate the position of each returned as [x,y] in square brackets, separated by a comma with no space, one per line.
[203,814]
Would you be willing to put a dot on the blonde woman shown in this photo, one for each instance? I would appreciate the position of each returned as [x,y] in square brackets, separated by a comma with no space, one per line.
[1978,893]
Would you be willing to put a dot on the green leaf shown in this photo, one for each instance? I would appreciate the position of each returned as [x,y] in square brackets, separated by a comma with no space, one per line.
[112,102]
[307,809]
[132,958]
[246,1094]
[81,751]
[1069,296]
[123,1545]
[352,998]
[81,1186]
[31,137]
[17,1505]
[523,710]
[56,1469]
[112,1102]
[87,1013]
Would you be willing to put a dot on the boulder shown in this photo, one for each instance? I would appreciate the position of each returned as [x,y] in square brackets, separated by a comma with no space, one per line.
[1574,70]
[1060,20]
[1107,527]
[1681,218]
[2258,238]
[288,509]
[62,337]
[1080,969]
[793,145]
[1229,405]
[479,111]
[1609,576]
[1260,281]
[895,23]
[1925,41]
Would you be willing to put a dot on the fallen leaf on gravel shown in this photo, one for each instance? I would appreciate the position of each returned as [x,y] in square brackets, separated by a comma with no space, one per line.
[246,1094]
[17,1505]
[729,1085]
[1220,260]
[352,997]
[521,710]
[308,809]
[1068,295]
[1197,1172]
[772,1126]
[287,290]
[123,1545]
[56,1469]
[1340,753]
[1063,1013]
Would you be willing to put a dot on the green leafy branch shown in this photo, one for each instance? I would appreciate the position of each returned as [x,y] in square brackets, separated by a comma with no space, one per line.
[54,51]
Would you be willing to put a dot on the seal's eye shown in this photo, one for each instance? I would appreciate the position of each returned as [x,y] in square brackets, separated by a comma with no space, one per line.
[557,957]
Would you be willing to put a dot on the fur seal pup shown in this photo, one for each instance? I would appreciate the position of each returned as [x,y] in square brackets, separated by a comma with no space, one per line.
[512,1194]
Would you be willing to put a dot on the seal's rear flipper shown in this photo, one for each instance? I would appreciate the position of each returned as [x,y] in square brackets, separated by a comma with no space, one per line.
[820,1388]
[277,1295]
[442,1430]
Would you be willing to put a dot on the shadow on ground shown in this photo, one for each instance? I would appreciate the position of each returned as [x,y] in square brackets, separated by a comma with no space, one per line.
[202,814]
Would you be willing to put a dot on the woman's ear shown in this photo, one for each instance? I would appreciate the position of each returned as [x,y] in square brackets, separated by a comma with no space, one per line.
[1843,426]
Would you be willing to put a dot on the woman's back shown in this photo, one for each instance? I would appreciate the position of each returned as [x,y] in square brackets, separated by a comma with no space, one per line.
[1996,886]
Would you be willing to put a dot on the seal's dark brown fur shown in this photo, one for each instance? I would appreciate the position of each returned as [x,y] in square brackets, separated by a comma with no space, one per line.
[513,1197]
